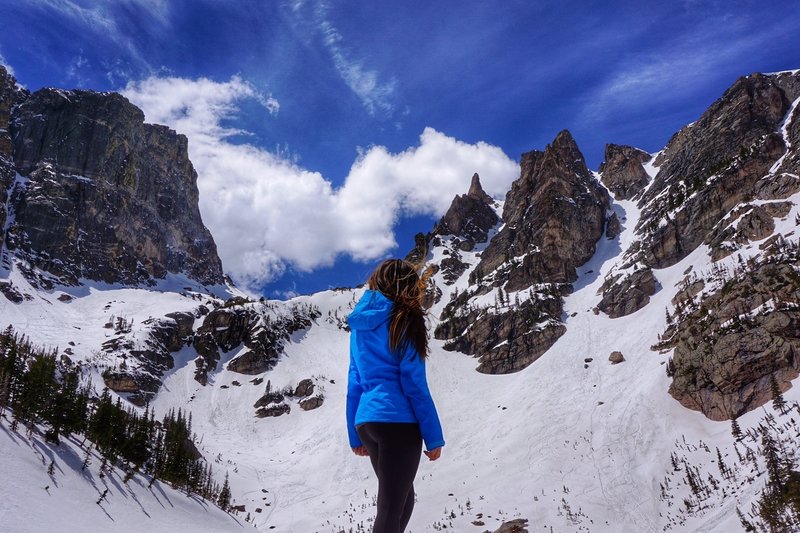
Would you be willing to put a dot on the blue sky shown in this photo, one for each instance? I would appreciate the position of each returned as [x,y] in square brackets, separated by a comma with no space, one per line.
[326,133]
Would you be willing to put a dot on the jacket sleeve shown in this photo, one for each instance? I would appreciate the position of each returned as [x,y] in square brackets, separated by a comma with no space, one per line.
[415,387]
[354,392]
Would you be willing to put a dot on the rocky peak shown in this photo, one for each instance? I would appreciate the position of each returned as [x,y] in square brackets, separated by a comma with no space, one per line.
[107,197]
[470,216]
[476,190]
[623,171]
[554,215]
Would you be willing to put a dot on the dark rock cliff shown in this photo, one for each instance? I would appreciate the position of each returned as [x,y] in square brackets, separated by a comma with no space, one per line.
[105,197]
[707,169]
[552,218]
[623,171]
[10,96]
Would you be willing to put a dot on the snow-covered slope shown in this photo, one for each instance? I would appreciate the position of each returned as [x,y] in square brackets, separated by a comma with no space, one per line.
[571,442]
[70,501]
[564,443]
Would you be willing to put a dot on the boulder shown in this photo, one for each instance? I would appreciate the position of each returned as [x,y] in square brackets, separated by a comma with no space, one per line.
[274,410]
[616,358]
[311,403]
[304,388]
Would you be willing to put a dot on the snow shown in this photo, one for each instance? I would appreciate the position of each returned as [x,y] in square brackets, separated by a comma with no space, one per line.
[783,129]
[32,501]
[565,443]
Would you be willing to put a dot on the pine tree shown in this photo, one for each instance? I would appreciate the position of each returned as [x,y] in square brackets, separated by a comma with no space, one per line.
[224,498]
[778,403]
[736,431]
[723,468]
[746,524]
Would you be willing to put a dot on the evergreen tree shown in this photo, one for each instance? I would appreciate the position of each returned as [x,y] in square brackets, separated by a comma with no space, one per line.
[778,403]
[224,498]
[736,431]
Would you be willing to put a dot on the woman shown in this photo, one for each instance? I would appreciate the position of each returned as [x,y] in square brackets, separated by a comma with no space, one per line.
[389,408]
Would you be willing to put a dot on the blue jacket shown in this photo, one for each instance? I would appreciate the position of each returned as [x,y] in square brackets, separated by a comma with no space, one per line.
[382,386]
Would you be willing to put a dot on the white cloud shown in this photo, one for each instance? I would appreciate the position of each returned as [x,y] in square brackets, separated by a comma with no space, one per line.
[266,212]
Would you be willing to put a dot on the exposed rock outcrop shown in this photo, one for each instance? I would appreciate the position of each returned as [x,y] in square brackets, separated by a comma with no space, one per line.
[730,344]
[625,296]
[623,172]
[262,329]
[553,217]
[107,197]
[273,411]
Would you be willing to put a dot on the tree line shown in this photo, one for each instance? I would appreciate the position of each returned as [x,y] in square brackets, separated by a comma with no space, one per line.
[39,388]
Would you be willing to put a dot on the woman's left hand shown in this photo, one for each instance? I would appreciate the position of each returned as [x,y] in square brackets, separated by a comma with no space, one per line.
[434,453]
[361,451]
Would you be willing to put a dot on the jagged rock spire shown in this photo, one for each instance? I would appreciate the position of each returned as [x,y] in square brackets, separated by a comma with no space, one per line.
[470,216]
[476,190]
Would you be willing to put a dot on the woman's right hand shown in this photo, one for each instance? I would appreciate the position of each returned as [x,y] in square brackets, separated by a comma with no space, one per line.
[361,451]
[434,453]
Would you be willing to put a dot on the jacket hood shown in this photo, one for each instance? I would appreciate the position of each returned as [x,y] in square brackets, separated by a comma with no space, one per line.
[372,310]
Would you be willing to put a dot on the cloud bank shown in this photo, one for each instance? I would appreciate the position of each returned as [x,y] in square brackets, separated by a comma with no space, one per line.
[267,213]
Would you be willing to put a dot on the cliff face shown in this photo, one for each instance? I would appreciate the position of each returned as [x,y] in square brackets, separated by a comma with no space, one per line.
[103,196]
[552,218]
[10,95]
[725,183]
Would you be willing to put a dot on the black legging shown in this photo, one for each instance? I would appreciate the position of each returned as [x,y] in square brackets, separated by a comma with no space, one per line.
[394,450]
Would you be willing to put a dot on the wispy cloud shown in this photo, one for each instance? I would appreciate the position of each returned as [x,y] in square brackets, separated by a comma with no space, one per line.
[76,70]
[267,213]
[376,93]
[3,62]
[671,71]
[109,20]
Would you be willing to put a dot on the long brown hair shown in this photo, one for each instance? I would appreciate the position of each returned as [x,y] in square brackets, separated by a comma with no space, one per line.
[398,280]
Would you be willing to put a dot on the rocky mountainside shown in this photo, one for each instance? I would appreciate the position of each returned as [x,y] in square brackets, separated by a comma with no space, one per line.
[719,185]
[92,192]
[510,313]
[621,314]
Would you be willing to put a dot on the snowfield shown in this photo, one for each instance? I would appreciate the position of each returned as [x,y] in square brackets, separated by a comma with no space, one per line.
[571,443]
[67,501]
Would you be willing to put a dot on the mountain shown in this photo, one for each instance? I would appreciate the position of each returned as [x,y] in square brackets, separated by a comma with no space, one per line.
[595,332]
